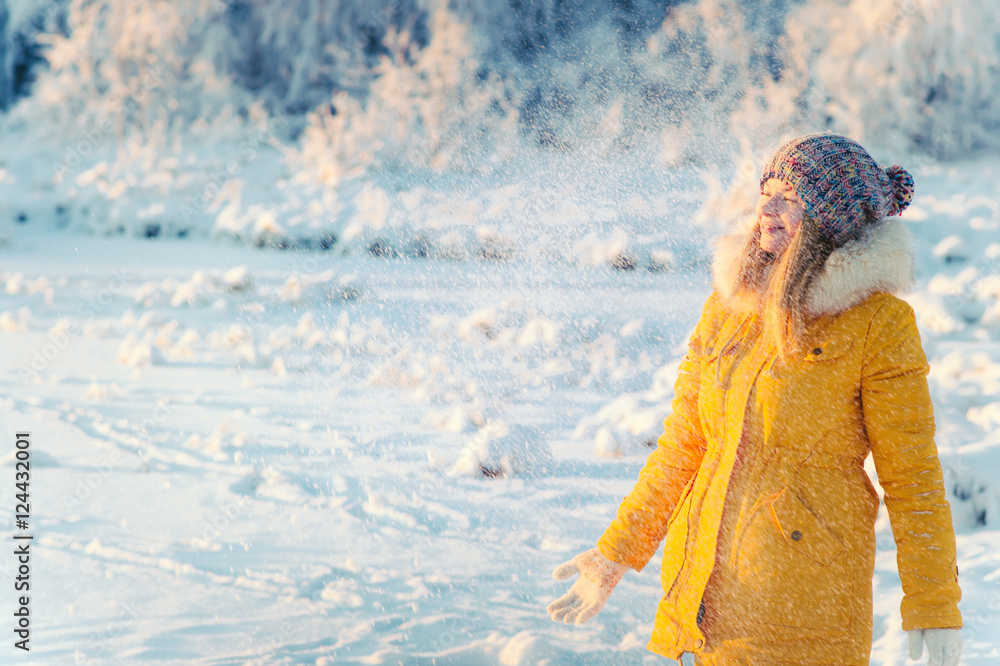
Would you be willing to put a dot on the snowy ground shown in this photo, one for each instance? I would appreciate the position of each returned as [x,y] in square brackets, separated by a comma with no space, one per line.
[247,456]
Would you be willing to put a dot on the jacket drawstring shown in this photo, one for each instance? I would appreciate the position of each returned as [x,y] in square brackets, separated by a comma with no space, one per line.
[770,367]
[725,345]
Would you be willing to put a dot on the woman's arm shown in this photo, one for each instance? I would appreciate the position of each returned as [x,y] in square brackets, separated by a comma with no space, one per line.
[644,514]
[899,418]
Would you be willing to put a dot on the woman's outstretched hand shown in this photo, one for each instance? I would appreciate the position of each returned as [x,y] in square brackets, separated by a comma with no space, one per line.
[598,577]
[944,646]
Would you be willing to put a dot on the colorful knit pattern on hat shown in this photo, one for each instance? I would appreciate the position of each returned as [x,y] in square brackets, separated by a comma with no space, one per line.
[840,184]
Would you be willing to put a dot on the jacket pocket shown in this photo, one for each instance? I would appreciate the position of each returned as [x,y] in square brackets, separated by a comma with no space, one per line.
[804,531]
[790,569]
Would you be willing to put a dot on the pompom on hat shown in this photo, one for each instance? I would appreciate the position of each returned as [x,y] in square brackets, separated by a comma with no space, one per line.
[842,187]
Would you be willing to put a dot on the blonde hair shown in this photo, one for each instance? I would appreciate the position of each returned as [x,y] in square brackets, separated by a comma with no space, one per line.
[779,284]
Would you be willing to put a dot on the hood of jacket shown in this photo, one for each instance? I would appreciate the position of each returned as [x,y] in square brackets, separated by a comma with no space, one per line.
[881,259]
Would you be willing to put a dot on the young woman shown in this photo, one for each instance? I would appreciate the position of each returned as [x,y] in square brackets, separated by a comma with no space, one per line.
[803,363]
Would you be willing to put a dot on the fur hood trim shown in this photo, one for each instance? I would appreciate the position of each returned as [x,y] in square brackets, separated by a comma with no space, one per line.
[879,260]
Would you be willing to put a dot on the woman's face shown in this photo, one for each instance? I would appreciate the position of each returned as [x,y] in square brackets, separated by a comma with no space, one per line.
[779,215]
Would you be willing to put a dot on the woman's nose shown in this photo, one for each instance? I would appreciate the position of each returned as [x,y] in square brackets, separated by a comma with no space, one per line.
[772,205]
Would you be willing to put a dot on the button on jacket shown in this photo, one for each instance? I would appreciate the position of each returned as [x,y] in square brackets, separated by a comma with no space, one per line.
[799,539]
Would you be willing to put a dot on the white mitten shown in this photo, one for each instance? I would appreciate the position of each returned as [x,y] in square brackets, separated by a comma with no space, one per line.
[944,646]
[598,577]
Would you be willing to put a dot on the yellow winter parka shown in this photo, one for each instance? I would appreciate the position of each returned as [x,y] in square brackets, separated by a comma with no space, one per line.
[803,549]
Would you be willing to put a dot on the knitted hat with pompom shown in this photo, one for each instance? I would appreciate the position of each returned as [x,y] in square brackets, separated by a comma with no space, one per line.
[840,184]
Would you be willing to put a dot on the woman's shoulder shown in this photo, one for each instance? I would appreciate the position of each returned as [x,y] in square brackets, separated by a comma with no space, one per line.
[877,311]
[883,315]
[715,308]
[714,315]
[885,306]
